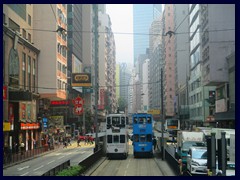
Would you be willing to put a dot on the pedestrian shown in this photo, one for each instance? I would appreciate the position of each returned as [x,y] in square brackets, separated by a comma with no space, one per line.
[180,167]
[78,142]
[34,143]
[16,147]
[49,144]
[22,145]
[154,143]
[69,141]
[65,144]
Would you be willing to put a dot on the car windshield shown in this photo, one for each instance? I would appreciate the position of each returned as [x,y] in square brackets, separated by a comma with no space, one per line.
[231,166]
[188,144]
[199,154]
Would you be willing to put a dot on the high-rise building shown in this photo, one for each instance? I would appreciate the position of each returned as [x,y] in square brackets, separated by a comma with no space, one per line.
[20,77]
[143,16]
[107,65]
[155,63]
[182,54]
[218,62]
[169,63]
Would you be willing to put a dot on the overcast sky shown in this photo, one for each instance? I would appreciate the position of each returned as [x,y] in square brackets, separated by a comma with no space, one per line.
[121,16]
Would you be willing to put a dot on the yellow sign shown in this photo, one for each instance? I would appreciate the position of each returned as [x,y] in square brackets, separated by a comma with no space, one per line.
[153,111]
[6,126]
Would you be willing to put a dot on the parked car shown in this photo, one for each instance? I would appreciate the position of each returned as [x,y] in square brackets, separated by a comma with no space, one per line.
[230,169]
[197,160]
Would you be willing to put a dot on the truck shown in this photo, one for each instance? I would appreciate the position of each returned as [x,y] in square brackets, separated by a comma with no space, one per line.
[228,134]
[232,148]
[185,140]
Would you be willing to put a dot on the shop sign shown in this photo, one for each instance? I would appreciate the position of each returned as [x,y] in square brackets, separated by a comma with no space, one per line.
[4,92]
[60,103]
[81,80]
[25,126]
[6,126]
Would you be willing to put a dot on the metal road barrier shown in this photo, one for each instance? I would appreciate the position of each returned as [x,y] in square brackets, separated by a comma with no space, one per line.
[173,163]
[58,168]
[91,160]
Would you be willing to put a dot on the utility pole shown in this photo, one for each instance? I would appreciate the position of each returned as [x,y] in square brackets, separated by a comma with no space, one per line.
[162,128]
[95,12]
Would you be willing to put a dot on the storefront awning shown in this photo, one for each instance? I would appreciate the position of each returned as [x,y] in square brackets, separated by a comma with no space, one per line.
[229,115]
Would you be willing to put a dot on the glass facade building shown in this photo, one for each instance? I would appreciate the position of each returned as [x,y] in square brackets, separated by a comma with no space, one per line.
[143,16]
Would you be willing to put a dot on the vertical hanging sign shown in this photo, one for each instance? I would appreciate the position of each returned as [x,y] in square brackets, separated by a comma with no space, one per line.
[78,105]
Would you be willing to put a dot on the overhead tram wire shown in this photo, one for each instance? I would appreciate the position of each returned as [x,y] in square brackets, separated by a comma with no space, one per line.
[124,85]
[127,33]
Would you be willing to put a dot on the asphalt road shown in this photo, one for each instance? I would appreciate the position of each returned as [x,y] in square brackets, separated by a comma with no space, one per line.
[42,164]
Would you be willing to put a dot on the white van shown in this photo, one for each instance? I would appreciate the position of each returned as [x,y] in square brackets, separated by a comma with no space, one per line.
[197,160]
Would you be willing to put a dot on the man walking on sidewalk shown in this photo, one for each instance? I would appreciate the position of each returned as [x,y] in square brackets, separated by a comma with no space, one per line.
[22,145]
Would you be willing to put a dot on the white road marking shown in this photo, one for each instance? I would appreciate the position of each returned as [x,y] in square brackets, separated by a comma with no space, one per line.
[38,168]
[24,174]
[69,153]
[50,162]
[61,157]
[125,173]
[21,168]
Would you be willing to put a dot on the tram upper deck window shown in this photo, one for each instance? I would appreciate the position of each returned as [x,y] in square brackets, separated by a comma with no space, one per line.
[115,120]
[108,120]
[135,120]
[142,120]
[149,120]
[123,120]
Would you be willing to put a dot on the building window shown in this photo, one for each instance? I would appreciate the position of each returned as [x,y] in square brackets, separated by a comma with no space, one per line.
[24,70]
[59,66]
[29,37]
[29,73]
[29,20]
[34,74]
[14,26]
[24,33]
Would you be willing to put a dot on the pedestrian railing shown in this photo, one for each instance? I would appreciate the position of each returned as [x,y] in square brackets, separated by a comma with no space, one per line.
[11,158]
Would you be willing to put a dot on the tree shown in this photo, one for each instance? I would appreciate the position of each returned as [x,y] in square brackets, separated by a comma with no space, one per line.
[122,104]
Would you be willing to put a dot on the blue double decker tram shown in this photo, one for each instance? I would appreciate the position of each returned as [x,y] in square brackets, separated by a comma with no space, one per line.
[142,135]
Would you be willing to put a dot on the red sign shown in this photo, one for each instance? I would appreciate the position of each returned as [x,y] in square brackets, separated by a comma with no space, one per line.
[78,103]
[10,113]
[4,92]
[29,126]
[78,109]
[60,102]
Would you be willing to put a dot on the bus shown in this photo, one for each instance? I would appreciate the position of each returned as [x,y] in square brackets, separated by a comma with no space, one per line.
[172,126]
[142,135]
[117,136]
